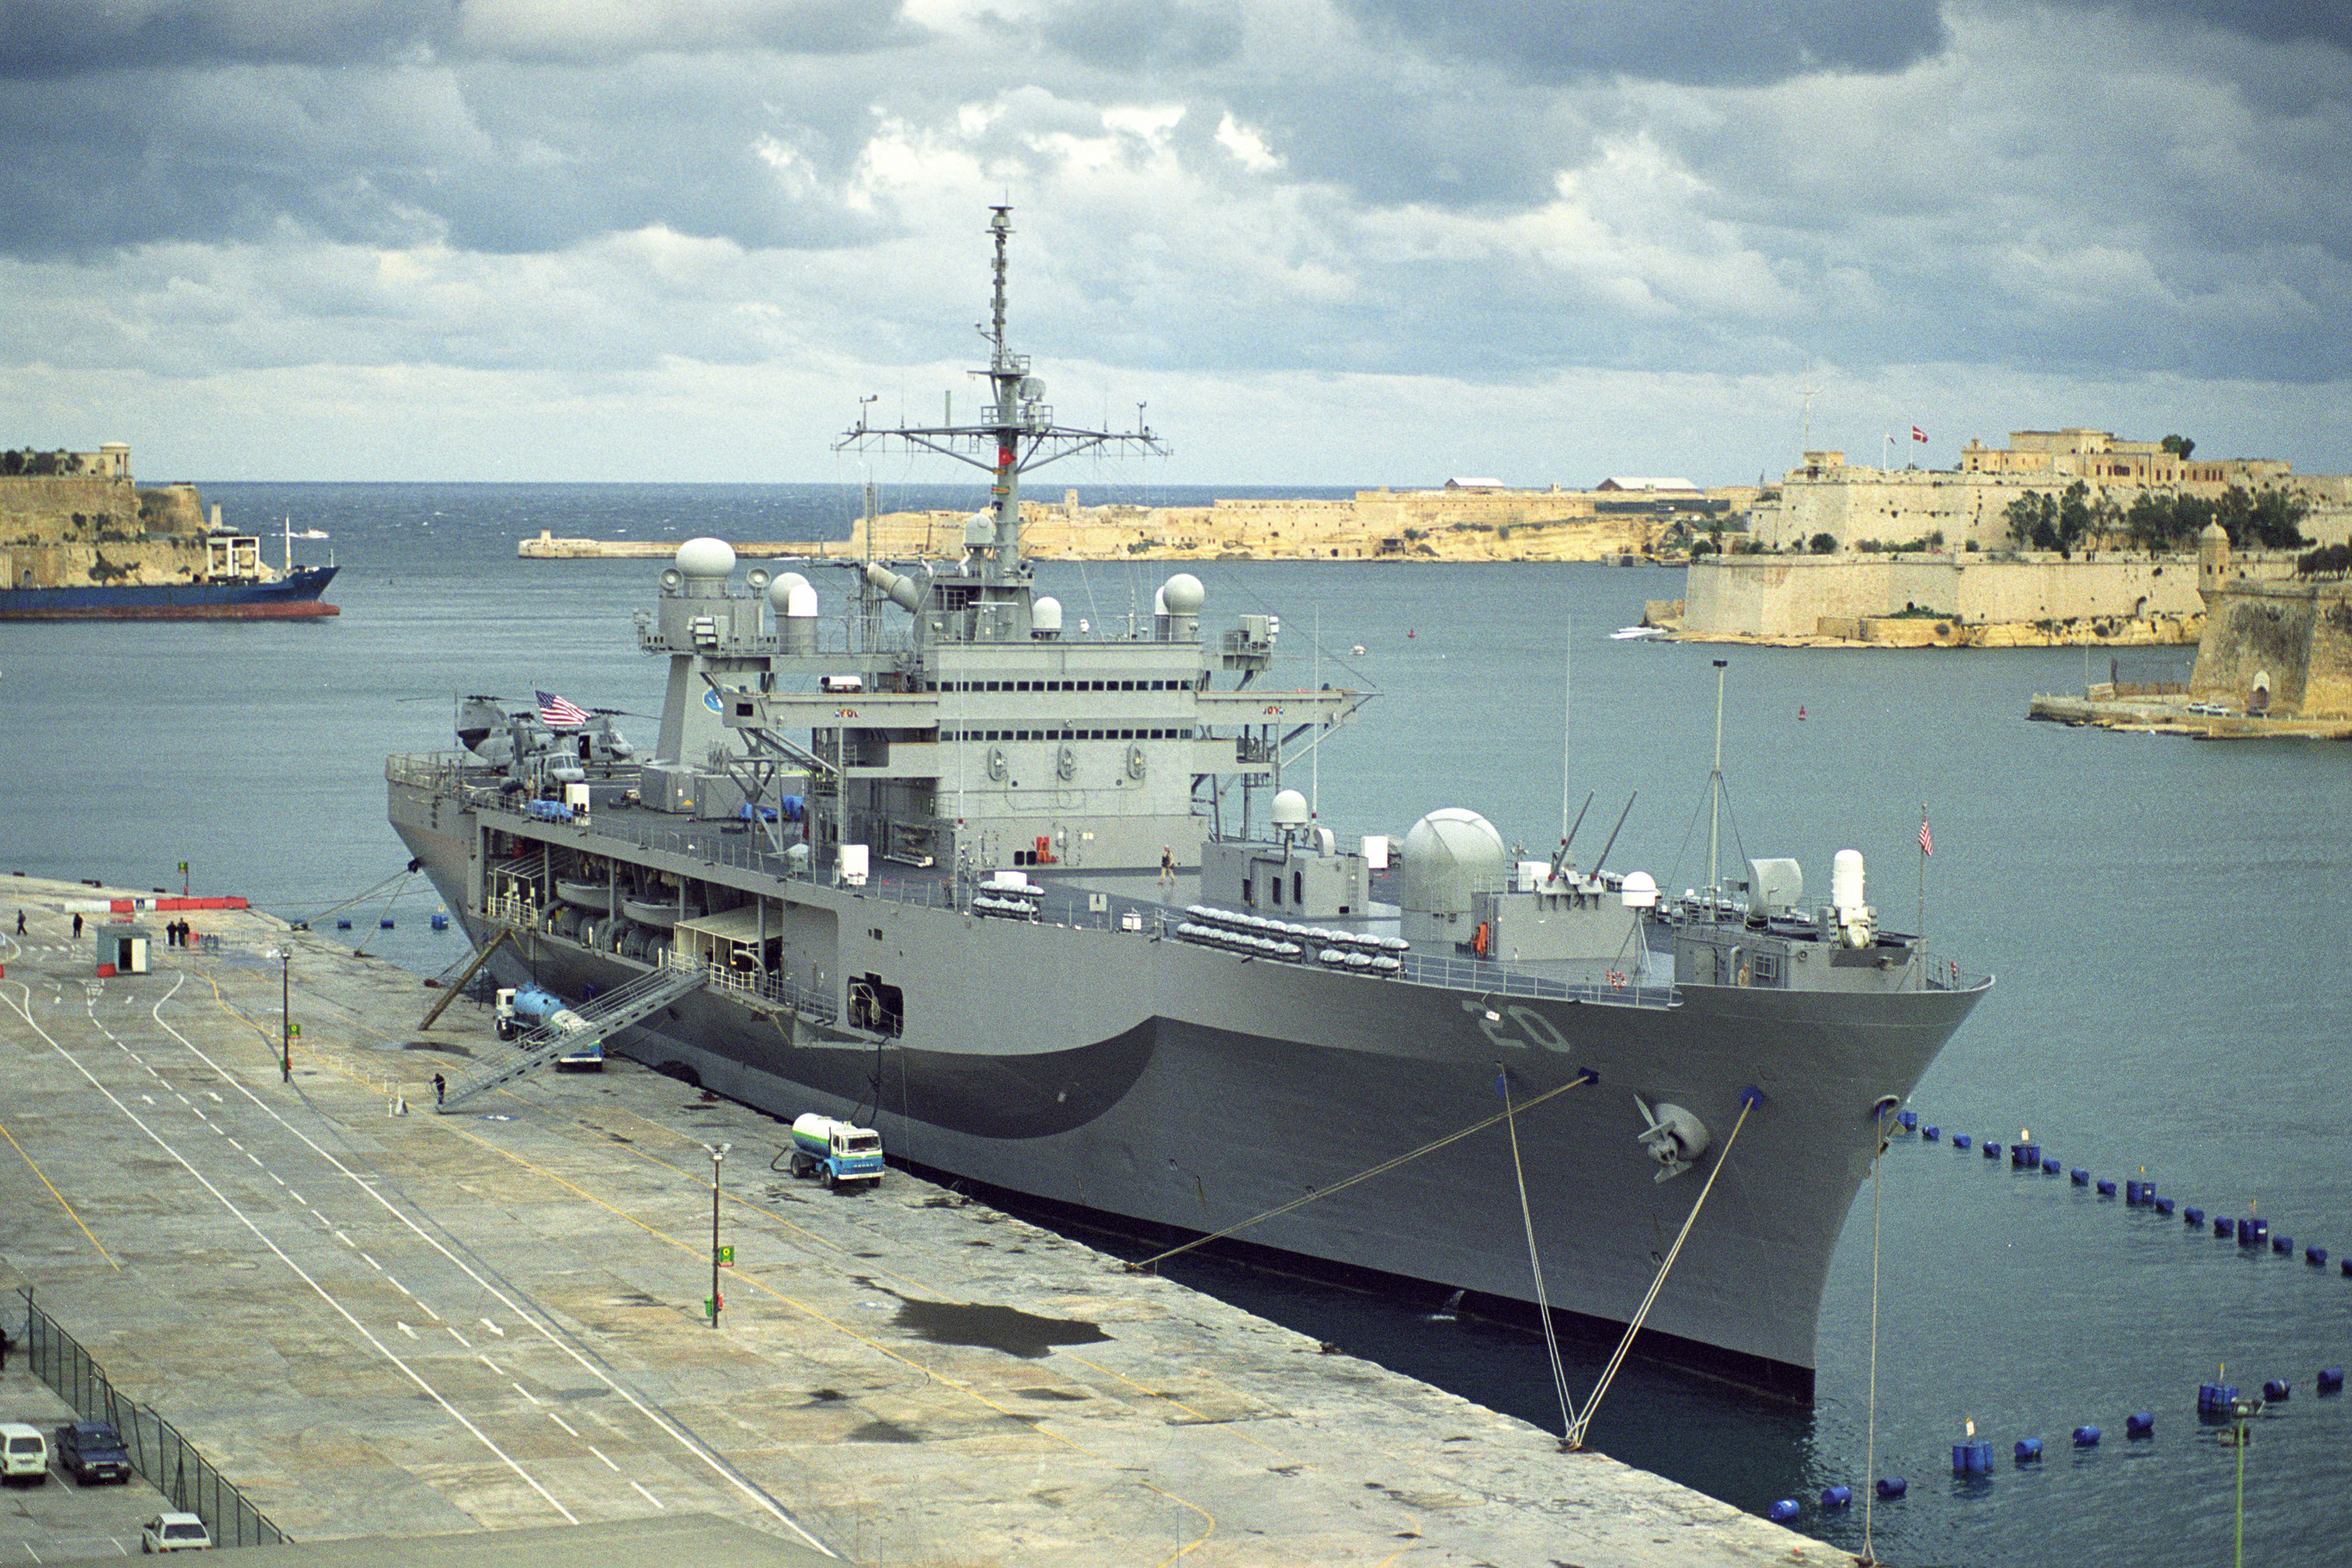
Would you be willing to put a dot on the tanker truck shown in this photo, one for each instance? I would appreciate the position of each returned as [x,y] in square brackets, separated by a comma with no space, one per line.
[842,1152]
[522,1009]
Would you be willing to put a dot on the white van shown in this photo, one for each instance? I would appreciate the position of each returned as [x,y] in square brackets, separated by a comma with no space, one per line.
[23,1453]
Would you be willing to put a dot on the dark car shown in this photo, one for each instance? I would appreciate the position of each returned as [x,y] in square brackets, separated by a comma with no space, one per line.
[93,1451]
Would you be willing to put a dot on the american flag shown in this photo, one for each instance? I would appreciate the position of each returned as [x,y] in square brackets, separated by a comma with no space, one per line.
[1927,841]
[557,713]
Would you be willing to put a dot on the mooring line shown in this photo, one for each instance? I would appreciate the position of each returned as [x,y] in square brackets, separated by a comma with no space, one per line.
[1535,1264]
[1748,1103]
[1584,1076]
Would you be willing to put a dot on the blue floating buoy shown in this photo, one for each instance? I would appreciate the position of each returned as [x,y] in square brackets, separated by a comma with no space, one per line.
[2081,1177]
[342,925]
[2346,1266]
[2028,1450]
[2140,1423]
[2282,1244]
[1992,1150]
[1784,1511]
[1910,1119]
[2107,1188]
[2164,1207]
[2086,1437]
[2192,1214]
[1892,1486]
[2315,1256]
[440,923]
[2277,1390]
[383,925]
[2131,1194]
[2025,1156]
[2222,1224]
[1960,1140]
[1972,1459]
[2331,1380]
[2050,1165]
[1930,1134]
[1837,1496]
[2215,1398]
[2254,1232]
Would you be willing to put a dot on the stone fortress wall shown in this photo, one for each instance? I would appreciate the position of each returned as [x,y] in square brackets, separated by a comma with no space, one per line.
[83,521]
[1852,503]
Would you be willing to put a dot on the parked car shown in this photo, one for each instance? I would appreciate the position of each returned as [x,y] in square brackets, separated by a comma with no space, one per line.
[175,1532]
[92,1451]
[23,1454]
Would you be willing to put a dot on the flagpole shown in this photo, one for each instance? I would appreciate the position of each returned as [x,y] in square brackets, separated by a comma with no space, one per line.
[1921,923]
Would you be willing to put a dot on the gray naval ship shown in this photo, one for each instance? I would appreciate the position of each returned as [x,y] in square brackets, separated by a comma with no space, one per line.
[1038,902]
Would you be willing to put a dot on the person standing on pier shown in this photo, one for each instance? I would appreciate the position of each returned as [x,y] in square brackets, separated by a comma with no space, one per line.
[20,922]
[77,927]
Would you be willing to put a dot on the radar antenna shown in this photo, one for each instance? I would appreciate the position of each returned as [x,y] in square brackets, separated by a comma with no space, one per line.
[1019,435]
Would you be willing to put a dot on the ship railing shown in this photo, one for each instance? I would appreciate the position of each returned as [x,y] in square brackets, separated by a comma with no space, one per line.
[1500,979]
[775,990]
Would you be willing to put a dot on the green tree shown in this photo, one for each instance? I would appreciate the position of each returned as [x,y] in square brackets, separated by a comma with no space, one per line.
[2031,516]
[1823,545]
[2178,446]
[2274,520]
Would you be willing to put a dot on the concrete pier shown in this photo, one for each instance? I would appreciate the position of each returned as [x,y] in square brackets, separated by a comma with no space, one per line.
[379,1323]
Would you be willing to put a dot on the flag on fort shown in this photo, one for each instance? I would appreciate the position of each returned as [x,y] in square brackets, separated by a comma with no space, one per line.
[1918,434]
[557,713]
[1927,840]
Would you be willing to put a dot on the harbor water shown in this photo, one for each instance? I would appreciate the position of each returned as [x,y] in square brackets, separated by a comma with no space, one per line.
[2167,919]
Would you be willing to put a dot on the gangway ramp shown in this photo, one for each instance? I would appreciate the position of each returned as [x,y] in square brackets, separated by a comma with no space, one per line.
[593,1019]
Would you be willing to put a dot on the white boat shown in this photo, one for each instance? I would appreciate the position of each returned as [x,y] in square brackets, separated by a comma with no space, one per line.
[1640,634]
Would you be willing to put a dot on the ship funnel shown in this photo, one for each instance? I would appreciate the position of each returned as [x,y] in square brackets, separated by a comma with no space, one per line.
[903,591]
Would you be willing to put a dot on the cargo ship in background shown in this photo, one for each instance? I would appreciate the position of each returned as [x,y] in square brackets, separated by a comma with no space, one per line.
[1043,905]
[79,540]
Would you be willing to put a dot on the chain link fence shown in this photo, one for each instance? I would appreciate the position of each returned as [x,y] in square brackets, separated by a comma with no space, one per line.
[158,1452]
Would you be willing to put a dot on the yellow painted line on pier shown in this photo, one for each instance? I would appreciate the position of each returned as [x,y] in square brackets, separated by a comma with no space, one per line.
[43,1180]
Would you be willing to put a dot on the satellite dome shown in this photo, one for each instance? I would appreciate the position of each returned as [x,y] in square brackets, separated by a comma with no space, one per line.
[800,604]
[706,558]
[780,592]
[1183,594]
[1450,854]
[1639,890]
[1045,613]
[1290,809]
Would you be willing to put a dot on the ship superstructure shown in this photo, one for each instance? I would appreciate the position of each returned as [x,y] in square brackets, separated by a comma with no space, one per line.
[1038,902]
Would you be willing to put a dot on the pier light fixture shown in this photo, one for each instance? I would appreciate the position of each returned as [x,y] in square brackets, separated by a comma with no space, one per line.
[285,957]
[718,1158]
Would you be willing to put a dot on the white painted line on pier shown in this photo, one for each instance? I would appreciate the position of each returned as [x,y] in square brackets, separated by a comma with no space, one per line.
[345,1239]
[371,1262]
[399,1286]
[493,1328]
[403,1328]
[600,1454]
[316,1288]
[650,1497]
[458,1337]
[701,1450]
[486,1362]
[560,1421]
[526,1393]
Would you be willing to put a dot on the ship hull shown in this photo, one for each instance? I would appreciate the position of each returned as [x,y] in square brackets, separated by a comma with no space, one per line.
[293,597]
[1202,1090]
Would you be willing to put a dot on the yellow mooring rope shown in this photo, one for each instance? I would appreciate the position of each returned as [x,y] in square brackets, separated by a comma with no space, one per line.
[1584,1076]
[1576,1432]
[1535,1264]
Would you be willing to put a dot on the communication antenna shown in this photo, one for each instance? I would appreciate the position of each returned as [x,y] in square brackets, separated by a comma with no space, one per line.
[1714,794]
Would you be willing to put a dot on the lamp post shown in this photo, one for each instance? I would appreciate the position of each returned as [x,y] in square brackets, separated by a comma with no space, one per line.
[285,957]
[717,1157]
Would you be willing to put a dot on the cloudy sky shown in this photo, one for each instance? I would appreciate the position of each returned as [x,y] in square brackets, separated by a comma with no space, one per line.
[1326,241]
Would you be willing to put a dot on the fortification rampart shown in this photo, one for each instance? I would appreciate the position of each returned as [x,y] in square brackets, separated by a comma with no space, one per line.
[1801,598]
[1853,504]
[2277,648]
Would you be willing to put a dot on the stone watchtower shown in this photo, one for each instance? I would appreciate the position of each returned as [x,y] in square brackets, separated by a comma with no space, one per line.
[2212,561]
